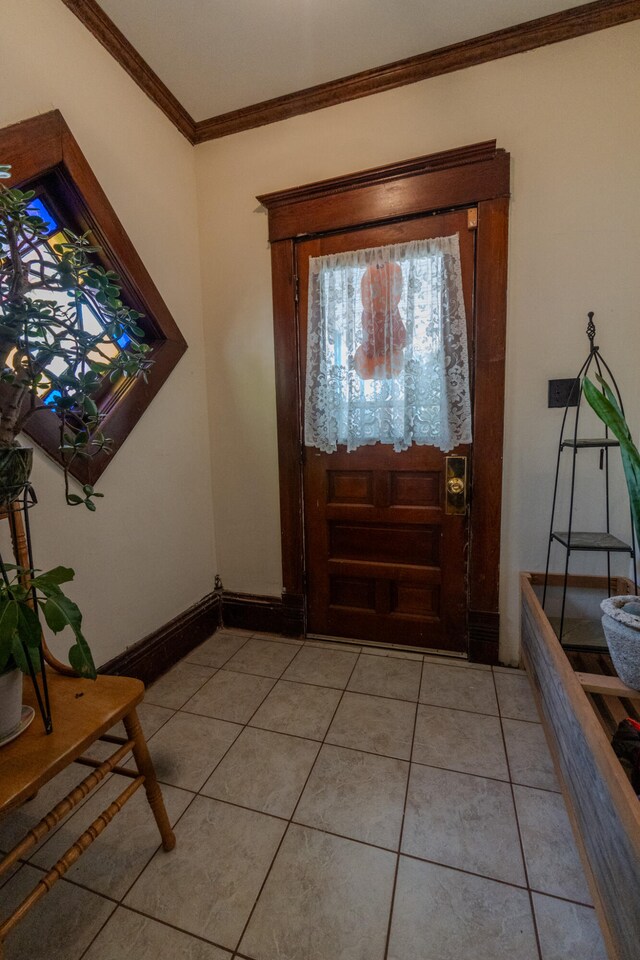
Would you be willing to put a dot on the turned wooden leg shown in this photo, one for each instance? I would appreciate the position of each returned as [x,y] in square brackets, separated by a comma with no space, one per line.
[146,768]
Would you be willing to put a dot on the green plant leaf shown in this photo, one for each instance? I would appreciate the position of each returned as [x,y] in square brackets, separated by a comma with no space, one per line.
[54,576]
[8,620]
[81,660]
[60,612]
[6,652]
[28,626]
[606,407]
[608,411]
[22,657]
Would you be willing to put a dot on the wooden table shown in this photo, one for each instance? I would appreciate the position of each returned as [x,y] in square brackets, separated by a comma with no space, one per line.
[83,712]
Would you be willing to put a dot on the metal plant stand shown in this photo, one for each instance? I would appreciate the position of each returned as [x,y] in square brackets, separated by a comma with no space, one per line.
[580,540]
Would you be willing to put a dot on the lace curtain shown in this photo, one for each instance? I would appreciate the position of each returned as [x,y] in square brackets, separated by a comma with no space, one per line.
[387,348]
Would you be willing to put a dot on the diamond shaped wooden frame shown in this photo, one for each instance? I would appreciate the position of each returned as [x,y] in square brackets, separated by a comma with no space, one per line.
[44,147]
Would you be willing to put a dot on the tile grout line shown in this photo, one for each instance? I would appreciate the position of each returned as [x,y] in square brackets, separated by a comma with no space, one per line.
[402,822]
[235,739]
[94,793]
[517,819]
[290,820]
[115,901]
[321,742]
[153,704]
[120,902]
[197,793]
[232,955]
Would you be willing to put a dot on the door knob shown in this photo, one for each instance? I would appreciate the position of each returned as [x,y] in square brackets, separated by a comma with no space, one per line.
[456,485]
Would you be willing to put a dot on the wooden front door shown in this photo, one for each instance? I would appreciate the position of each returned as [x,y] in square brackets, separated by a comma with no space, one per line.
[384,561]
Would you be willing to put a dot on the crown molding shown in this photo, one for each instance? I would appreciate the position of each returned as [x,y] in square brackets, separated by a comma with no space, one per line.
[555,28]
[492,46]
[112,39]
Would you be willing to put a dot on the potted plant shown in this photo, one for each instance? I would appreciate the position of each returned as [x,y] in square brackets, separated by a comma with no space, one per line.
[60,316]
[621,620]
[21,592]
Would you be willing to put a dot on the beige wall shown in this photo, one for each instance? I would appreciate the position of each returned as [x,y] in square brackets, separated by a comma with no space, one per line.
[568,114]
[148,553]
[570,117]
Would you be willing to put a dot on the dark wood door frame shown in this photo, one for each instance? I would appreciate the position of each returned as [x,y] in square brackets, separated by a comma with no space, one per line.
[477,175]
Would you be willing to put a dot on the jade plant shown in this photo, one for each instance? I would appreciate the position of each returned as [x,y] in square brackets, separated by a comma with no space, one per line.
[45,348]
[50,361]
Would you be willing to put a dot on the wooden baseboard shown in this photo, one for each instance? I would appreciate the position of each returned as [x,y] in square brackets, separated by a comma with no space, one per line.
[249,611]
[159,651]
[156,653]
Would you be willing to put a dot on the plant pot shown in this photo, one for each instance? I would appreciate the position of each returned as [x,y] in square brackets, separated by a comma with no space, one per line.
[15,470]
[622,631]
[10,702]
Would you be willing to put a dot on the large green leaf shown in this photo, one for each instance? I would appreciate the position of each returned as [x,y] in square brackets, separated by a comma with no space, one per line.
[8,622]
[28,626]
[606,406]
[54,577]
[22,656]
[81,660]
[60,612]
[20,636]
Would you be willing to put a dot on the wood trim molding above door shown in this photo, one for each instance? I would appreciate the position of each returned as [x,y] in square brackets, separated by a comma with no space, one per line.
[435,182]
[473,175]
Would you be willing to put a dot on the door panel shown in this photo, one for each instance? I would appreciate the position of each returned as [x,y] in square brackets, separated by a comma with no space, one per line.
[384,561]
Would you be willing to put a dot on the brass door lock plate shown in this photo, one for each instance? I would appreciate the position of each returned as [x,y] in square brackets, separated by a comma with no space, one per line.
[456,485]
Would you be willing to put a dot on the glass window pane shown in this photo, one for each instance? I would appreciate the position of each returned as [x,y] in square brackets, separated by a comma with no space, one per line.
[38,209]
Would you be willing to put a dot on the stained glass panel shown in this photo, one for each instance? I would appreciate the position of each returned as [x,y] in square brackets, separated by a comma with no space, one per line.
[93,321]
[38,209]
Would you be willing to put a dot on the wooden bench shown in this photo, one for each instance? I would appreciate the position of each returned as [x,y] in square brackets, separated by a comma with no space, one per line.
[83,711]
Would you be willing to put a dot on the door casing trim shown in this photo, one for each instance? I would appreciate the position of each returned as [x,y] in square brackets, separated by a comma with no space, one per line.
[475,175]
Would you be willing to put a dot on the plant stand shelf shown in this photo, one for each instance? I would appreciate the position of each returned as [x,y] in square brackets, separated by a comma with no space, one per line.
[85,711]
[585,541]
[591,540]
[603,808]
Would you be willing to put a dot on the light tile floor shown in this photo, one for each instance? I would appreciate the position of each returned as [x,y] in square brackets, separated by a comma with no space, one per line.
[329,803]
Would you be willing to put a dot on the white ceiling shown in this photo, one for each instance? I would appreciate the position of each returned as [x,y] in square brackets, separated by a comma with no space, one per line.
[220,55]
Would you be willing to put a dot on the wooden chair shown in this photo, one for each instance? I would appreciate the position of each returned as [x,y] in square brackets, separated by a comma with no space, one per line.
[83,711]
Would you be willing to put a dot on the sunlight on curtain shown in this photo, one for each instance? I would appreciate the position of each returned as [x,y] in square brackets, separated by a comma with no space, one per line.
[387,348]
